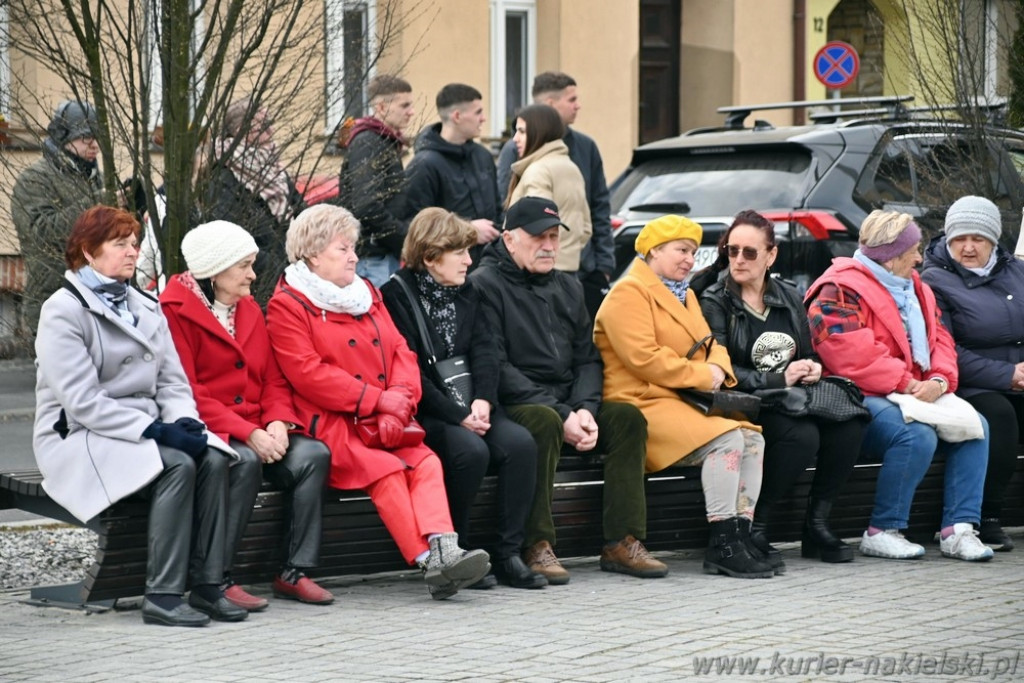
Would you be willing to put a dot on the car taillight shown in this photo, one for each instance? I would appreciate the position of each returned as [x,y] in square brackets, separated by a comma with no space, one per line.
[818,223]
[617,222]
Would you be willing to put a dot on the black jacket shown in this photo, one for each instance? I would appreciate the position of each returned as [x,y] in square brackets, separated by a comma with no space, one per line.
[722,306]
[543,332]
[227,198]
[370,186]
[459,178]
[473,337]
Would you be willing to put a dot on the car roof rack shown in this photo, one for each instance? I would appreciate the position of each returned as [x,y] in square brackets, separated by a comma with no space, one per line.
[891,104]
[993,110]
[833,116]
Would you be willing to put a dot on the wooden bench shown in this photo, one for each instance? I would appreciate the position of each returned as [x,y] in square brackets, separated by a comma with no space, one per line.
[356,542]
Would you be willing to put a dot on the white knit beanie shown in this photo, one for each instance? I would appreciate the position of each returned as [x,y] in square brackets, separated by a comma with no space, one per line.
[972,215]
[214,247]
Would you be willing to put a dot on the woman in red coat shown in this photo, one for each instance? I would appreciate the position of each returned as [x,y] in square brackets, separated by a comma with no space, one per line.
[222,340]
[339,349]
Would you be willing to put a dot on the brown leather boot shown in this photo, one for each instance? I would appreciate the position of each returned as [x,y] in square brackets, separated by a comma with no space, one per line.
[540,558]
[629,556]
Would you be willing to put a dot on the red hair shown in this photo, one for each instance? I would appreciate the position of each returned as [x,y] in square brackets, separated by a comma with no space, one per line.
[94,227]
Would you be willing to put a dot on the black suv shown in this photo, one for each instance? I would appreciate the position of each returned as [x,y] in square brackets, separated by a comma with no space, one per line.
[819,181]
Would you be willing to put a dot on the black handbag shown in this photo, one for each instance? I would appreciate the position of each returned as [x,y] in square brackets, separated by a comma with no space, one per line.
[454,373]
[831,398]
[735,405]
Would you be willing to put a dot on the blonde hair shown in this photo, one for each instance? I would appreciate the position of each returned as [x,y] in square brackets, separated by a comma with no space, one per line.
[432,233]
[883,227]
[313,229]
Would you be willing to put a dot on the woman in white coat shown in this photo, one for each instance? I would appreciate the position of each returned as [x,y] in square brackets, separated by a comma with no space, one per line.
[545,170]
[115,416]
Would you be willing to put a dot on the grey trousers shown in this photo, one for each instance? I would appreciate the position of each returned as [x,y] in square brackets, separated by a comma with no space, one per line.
[302,472]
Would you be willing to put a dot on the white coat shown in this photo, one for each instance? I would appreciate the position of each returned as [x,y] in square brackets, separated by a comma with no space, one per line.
[110,380]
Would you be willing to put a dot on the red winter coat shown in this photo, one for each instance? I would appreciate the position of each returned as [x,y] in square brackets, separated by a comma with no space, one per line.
[857,331]
[237,384]
[337,365]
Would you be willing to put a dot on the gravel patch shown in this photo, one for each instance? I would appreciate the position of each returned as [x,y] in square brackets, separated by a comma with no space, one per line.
[44,555]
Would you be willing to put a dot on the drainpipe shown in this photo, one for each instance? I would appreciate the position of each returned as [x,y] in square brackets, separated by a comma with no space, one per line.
[799,56]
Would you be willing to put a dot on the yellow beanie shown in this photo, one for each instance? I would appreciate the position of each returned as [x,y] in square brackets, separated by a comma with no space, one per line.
[666,229]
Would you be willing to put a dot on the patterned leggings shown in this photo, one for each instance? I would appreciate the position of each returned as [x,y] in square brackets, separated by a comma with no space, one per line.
[730,473]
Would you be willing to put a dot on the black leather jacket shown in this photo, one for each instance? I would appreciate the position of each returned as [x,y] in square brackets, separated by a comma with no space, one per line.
[729,321]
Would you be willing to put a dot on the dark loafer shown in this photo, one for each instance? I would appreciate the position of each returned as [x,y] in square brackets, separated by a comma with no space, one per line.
[514,572]
[182,615]
[488,582]
[220,610]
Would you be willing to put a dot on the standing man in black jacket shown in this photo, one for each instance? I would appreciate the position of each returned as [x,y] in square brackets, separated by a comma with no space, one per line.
[451,171]
[372,180]
[558,90]
[550,382]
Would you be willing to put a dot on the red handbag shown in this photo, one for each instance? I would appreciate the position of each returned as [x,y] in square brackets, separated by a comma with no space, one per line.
[369,432]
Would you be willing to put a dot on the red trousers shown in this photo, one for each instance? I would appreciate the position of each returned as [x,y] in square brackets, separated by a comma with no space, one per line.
[413,504]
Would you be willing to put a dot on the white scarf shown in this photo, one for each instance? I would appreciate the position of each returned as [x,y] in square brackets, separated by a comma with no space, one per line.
[355,299]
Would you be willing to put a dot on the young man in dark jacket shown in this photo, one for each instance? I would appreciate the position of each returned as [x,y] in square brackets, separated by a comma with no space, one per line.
[49,195]
[558,90]
[550,382]
[451,171]
[372,180]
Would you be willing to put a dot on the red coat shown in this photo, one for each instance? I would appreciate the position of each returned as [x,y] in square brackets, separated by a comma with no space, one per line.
[857,331]
[337,364]
[237,384]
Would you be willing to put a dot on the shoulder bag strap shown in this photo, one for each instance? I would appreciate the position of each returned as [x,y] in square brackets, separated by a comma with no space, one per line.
[421,323]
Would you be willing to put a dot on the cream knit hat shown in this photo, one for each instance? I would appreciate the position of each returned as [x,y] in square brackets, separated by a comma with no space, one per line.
[214,247]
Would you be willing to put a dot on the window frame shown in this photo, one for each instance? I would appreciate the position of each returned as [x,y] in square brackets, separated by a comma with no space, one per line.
[334,62]
[500,10]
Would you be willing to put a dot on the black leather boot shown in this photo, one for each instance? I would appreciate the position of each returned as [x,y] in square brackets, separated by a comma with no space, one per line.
[754,535]
[728,554]
[818,540]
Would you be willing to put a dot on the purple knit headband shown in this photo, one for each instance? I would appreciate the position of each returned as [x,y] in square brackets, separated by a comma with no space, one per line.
[881,253]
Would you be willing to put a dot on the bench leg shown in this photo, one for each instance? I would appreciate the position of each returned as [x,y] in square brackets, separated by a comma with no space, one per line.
[67,596]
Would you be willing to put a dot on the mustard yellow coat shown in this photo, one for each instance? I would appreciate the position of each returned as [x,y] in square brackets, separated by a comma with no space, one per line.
[644,334]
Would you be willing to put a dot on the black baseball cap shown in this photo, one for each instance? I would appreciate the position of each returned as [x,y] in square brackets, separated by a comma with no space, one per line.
[534,215]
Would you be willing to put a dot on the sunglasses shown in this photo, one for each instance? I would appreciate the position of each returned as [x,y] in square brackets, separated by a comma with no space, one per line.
[749,253]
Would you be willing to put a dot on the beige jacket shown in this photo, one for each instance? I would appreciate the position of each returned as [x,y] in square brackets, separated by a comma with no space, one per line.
[550,173]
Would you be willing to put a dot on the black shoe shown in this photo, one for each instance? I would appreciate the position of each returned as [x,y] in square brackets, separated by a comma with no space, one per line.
[513,572]
[992,535]
[180,615]
[757,542]
[221,609]
[818,539]
[488,582]
[728,552]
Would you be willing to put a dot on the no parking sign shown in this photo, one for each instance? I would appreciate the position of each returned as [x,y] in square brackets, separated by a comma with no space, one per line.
[836,64]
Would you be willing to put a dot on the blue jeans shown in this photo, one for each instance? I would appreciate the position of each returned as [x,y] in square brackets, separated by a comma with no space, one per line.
[905,451]
[377,269]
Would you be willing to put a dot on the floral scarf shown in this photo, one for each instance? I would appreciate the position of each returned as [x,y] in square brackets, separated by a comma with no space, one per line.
[439,302]
[260,170]
[355,299]
[190,283]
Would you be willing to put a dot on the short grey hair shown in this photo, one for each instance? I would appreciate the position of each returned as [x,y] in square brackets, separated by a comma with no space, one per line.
[883,227]
[313,229]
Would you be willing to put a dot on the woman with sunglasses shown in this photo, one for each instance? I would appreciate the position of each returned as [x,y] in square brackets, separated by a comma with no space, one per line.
[654,341]
[762,322]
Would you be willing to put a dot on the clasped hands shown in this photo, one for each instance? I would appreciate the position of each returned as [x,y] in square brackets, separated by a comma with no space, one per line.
[269,444]
[185,434]
[804,371]
[395,409]
[580,430]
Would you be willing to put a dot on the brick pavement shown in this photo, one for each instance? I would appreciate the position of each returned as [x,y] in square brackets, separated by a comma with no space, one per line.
[886,617]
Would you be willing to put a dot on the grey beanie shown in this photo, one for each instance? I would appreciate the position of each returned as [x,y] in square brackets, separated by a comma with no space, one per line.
[974,216]
[214,247]
[72,120]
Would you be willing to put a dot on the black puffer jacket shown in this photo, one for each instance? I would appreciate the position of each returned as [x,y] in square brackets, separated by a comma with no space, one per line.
[543,332]
[729,321]
[473,337]
[459,178]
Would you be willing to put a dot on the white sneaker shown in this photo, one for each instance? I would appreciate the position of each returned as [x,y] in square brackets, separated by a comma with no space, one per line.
[964,544]
[891,544]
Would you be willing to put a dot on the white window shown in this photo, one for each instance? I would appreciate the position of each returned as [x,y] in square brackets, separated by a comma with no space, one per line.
[5,63]
[513,60]
[151,55]
[349,36]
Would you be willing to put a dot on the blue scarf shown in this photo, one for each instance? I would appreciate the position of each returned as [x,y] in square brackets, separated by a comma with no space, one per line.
[113,293]
[902,291]
[677,287]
